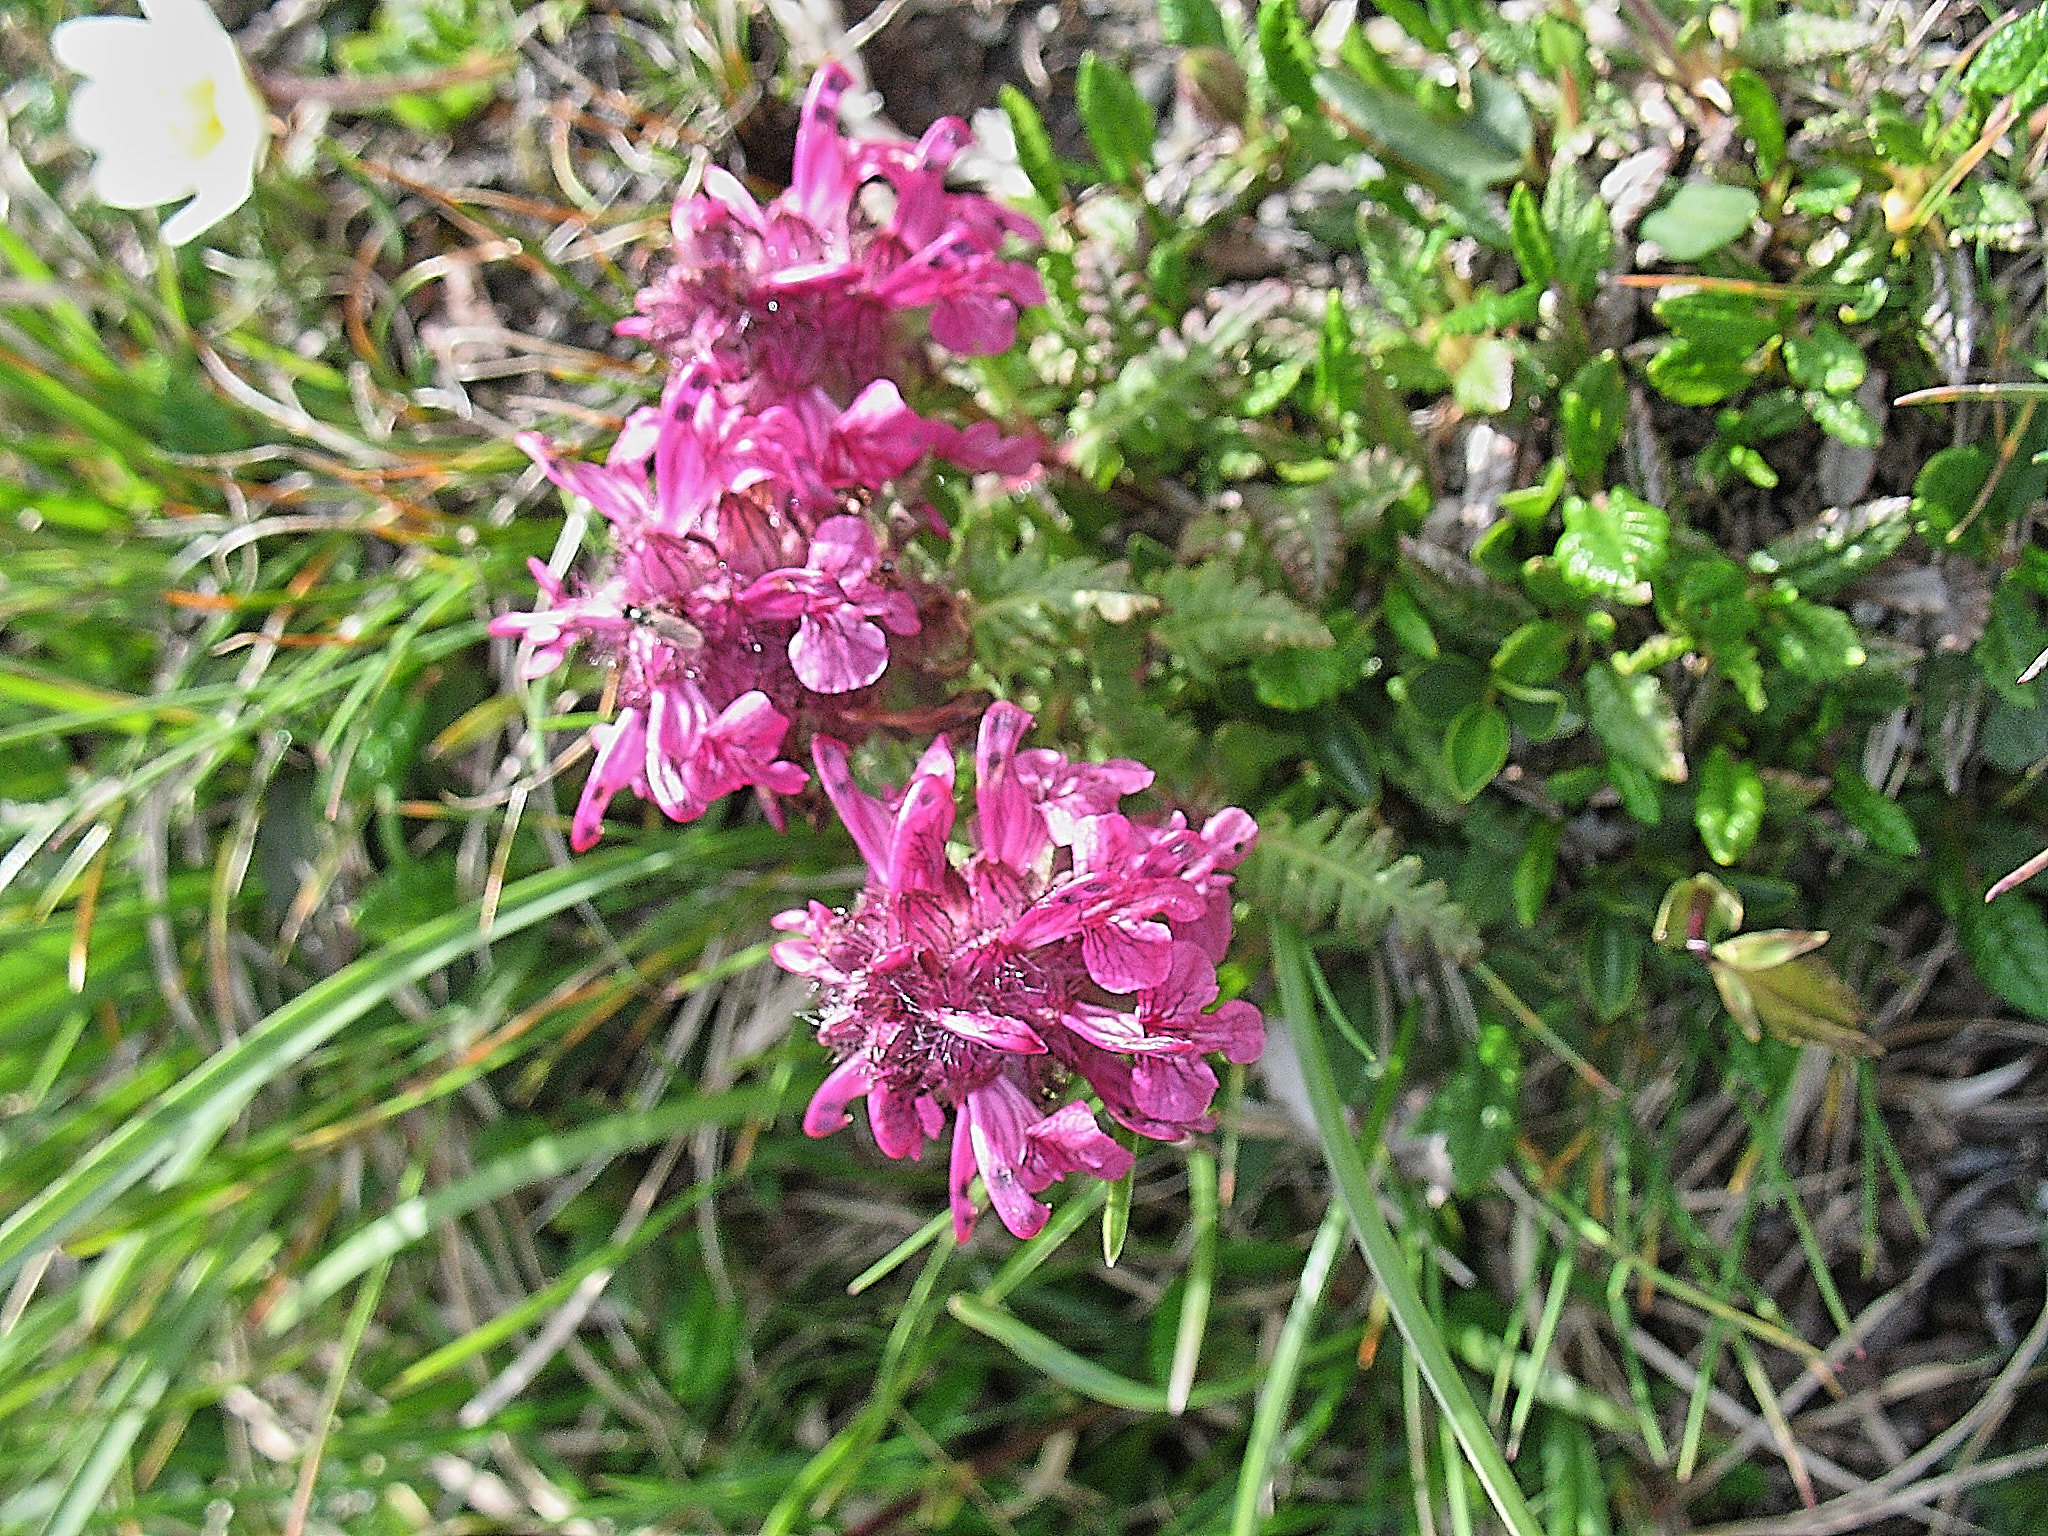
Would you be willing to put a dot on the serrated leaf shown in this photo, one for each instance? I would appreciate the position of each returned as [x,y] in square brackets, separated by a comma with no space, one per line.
[1592,411]
[1729,811]
[1813,640]
[1035,155]
[1534,253]
[1702,216]
[1836,547]
[1340,369]
[2014,61]
[1636,722]
[1844,420]
[1825,359]
[1612,545]
[1475,748]
[1117,119]
[1802,37]
[1288,54]
[1325,873]
[1484,384]
[1688,373]
[1272,385]
[1213,618]
[1883,821]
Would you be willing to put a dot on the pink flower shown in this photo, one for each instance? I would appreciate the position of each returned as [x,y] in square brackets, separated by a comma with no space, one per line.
[833,597]
[804,292]
[980,985]
[733,610]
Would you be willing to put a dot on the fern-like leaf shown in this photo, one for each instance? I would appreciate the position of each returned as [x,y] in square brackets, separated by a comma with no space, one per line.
[1344,874]
[1031,607]
[1214,618]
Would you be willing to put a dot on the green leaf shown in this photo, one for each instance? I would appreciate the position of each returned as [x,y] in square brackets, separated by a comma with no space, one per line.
[1117,119]
[1534,253]
[1192,24]
[1446,151]
[2013,61]
[1690,373]
[2007,942]
[1535,870]
[1593,410]
[1035,155]
[1288,54]
[1635,721]
[1611,963]
[1476,1109]
[1836,547]
[1302,677]
[1327,874]
[1729,811]
[1475,749]
[1826,360]
[1883,821]
[1844,420]
[1383,1252]
[1703,216]
[1533,654]
[1756,108]
[1340,367]
[1946,490]
[1343,749]
[1409,623]
[1612,545]
[1812,640]
[1212,618]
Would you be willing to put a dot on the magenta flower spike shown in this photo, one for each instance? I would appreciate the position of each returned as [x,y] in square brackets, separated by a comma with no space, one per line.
[804,293]
[734,607]
[1068,941]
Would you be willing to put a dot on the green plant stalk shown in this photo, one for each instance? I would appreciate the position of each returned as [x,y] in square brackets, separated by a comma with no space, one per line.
[1194,1307]
[1376,1242]
[1269,1415]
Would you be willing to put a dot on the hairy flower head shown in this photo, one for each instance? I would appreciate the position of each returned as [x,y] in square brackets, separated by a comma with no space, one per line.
[804,292]
[1068,940]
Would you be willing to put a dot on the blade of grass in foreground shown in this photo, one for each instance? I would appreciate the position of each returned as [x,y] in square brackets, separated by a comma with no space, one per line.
[168,1138]
[1376,1241]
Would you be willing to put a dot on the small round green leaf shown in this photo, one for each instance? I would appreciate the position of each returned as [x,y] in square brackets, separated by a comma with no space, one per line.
[1476,748]
[1702,217]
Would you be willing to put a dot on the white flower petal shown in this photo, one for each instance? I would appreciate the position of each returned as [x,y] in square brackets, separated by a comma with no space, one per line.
[168,108]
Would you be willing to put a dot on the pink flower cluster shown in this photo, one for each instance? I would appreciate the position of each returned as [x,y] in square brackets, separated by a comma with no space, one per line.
[1071,940]
[748,596]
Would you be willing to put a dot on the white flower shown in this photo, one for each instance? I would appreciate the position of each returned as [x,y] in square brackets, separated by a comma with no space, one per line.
[169,110]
